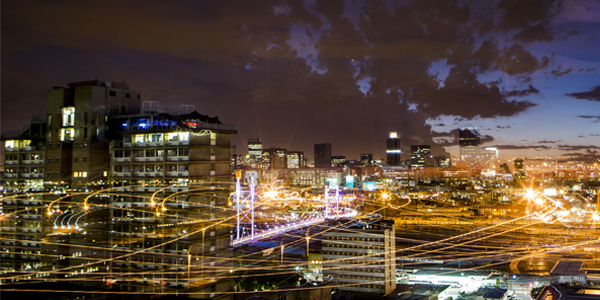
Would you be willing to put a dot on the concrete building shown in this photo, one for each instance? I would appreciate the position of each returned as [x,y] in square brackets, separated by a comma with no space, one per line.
[76,133]
[361,258]
[165,169]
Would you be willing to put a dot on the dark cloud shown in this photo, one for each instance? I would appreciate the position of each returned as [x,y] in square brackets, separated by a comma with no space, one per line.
[576,147]
[520,93]
[531,18]
[486,139]
[559,72]
[522,147]
[503,127]
[594,134]
[548,142]
[475,98]
[517,60]
[278,70]
[524,79]
[592,95]
[570,34]
[595,119]
[587,70]
[541,32]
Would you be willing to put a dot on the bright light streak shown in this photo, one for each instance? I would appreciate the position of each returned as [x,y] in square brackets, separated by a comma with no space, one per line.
[530,194]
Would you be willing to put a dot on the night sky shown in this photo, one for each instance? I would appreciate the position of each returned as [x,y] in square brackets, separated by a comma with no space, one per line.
[296,73]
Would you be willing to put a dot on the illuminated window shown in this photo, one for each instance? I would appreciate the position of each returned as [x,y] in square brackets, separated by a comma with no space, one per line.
[68,116]
[66,134]
[184,136]
[139,138]
[84,174]
[75,174]
[11,144]
[213,138]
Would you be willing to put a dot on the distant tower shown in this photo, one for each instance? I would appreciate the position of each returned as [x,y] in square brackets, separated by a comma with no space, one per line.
[322,155]
[393,149]
[419,154]
[255,151]
[366,158]
[469,140]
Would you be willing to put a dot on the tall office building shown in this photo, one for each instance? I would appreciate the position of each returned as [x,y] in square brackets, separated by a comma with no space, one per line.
[419,156]
[254,152]
[469,140]
[322,155]
[394,154]
[275,157]
[295,159]
[366,158]
[338,160]
[362,258]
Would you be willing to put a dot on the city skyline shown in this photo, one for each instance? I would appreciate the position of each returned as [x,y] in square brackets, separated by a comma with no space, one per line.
[295,74]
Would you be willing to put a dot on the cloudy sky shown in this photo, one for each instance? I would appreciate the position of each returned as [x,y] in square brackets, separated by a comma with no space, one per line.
[296,73]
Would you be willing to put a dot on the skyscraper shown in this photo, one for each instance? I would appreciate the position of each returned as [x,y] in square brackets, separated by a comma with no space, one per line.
[393,151]
[468,142]
[254,151]
[418,155]
[322,155]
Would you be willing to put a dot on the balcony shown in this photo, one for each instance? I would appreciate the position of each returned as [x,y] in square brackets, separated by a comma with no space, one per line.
[178,174]
[178,158]
[148,174]
[121,174]
[122,159]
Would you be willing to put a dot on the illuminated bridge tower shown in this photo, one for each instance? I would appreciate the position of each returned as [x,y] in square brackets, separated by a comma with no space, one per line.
[393,151]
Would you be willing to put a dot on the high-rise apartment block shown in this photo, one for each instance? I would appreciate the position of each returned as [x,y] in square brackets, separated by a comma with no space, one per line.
[393,152]
[167,168]
[362,258]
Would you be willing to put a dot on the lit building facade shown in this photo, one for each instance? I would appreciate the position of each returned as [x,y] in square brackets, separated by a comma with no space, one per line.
[419,156]
[366,159]
[254,152]
[469,140]
[295,159]
[393,152]
[362,258]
